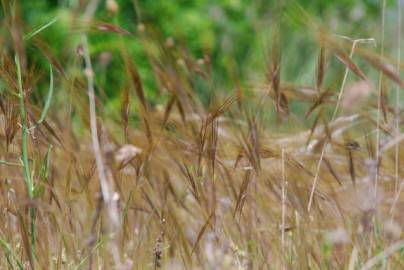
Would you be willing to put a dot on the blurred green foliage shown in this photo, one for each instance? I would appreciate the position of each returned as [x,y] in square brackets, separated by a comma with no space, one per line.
[235,33]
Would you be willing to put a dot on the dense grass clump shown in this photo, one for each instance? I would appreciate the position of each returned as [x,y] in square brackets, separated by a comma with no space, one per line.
[271,174]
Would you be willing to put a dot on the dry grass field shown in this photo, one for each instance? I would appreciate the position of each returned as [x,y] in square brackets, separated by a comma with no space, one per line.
[240,183]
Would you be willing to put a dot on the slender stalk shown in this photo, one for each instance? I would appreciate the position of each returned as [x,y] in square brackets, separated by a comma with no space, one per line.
[341,91]
[379,105]
[30,35]
[106,189]
[397,151]
[105,185]
[7,250]
[284,184]
[398,184]
[24,153]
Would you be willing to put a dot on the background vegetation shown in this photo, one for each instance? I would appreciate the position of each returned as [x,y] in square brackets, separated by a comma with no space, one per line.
[235,34]
[198,134]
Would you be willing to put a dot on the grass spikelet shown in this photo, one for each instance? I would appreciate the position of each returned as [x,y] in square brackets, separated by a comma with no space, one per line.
[242,192]
[201,232]
[321,68]
[125,105]
[346,60]
[387,69]
[223,107]
[274,75]
[137,83]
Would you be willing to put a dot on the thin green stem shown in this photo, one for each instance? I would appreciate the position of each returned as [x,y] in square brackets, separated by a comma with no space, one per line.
[40,29]
[24,154]
[7,250]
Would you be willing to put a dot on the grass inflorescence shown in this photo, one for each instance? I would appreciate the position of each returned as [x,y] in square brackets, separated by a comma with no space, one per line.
[239,182]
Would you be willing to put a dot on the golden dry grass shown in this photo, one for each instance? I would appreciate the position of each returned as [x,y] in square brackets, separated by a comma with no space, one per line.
[196,187]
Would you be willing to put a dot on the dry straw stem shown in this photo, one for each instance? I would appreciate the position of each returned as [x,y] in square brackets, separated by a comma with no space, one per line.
[379,101]
[341,91]
[283,226]
[397,108]
[8,251]
[106,187]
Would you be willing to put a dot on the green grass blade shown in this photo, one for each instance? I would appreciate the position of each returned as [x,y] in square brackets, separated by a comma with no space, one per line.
[43,174]
[40,29]
[97,246]
[8,252]
[48,98]
[24,153]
